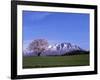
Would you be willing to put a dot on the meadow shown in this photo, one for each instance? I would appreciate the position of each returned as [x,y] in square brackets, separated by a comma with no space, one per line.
[55,61]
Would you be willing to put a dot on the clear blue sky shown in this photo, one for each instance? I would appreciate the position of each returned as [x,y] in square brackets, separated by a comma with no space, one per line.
[56,27]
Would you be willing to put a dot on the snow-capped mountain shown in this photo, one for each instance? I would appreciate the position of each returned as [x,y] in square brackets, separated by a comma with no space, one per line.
[56,49]
[60,49]
[64,46]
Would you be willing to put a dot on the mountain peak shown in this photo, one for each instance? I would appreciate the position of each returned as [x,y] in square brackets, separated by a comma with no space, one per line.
[64,46]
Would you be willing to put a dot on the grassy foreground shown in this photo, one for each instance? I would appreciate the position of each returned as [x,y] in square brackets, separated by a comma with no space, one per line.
[55,61]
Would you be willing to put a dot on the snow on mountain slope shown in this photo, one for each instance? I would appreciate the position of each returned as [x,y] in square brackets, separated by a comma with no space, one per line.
[64,46]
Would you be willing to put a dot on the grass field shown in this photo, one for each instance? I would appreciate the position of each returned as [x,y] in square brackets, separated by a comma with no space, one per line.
[55,61]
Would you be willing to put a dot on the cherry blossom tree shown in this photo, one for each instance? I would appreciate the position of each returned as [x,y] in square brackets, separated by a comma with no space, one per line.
[38,46]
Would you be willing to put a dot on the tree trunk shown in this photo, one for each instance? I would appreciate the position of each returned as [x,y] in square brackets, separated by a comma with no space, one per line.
[39,53]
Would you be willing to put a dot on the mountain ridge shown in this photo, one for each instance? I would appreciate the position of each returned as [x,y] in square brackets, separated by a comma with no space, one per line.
[56,49]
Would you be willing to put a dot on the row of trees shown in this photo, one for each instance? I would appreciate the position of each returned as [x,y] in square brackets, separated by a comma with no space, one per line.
[38,46]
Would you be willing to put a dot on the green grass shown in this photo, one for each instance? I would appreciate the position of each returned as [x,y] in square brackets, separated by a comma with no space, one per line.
[55,61]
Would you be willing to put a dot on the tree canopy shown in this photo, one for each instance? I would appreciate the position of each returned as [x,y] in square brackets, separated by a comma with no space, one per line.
[38,46]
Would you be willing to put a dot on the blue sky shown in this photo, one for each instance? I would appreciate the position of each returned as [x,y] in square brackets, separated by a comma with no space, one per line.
[56,27]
